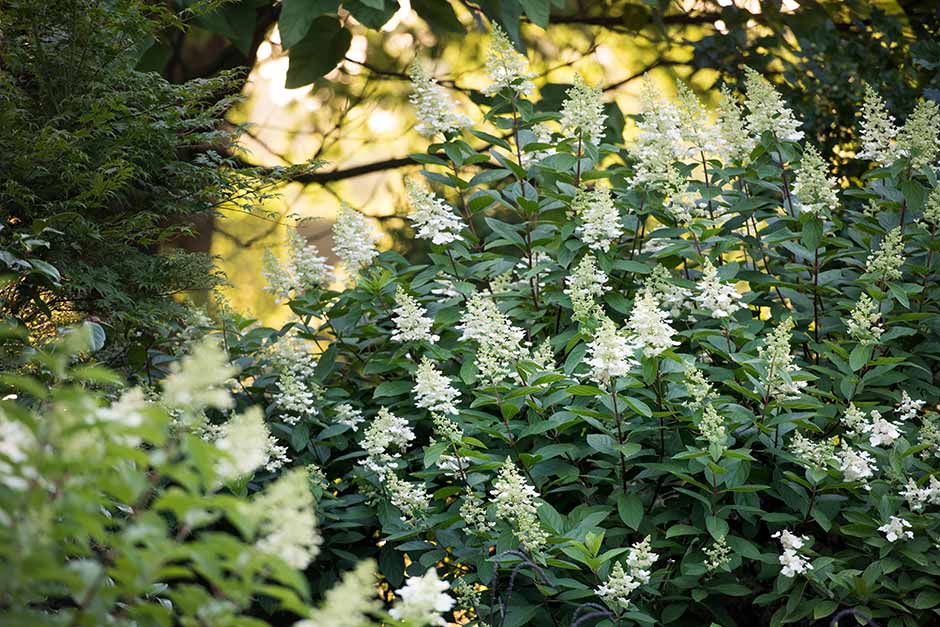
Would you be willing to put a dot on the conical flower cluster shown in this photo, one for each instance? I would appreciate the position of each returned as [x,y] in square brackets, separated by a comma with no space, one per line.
[767,111]
[353,239]
[435,111]
[583,111]
[506,68]
[431,216]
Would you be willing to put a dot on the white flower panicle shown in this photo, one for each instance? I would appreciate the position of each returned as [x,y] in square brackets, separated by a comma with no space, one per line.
[433,390]
[908,407]
[304,269]
[917,139]
[885,263]
[881,431]
[506,68]
[855,422]
[384,440]
[815,191]
[931,213]
[792,561]
[473,514]
[698,130]
[435,110]
[431,216]
[863,323]
[600,220]
[515,505]
[659,142]
[699,388]
[718,555]
[650,326]
[878,130]
[499,341]
[918,497]
[817,455]
[778,362]
[712,428]
[622,582]
[412,324]
[715,296]
[896,529]
[767,111]
[287,524]
[611,353]
[247,445]
[199,381]
[856,465]
[411,499]
[353,239]
[347,415]
[423,600]
[736,142]
[585,285]
[672,297]
[351,602]
[929,437]
[583,111]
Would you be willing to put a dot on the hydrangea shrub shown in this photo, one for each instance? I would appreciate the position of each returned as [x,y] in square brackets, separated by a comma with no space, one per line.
[685,381]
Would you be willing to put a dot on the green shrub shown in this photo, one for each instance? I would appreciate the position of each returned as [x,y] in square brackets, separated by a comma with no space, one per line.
[106,165]
[688,381]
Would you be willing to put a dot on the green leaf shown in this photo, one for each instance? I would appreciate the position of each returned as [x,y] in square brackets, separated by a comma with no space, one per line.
[298,15]
[584,390]
[392,388]
[318,53]
[859,357]
[927,599]
[630,508]
[537,10]
[812,233]
[601,443]
[638,406]
[439,15]
[372,13]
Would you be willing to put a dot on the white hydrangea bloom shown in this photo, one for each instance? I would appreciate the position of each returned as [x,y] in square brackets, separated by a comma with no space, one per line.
[584,285]
[386,433]
[863,323]
[878,132]
[435,111]
[199,380]
[649,326]
[600,221]
[896,529]
[423,600]
[917,139]
[412,324]
[813,188]
[473,514]
[431,216]
[918,497]
[611,353]
[433,390]
[855,421]
[811,453]
[672,297]
[304,269]
[287,526]
[856,465]
[347,415]
[515,504]
[721,299]
[659,142]
[622,582]
[297,393]
[737,143]
[908,408]
[246,444]
[128,410]
[353,239]
[718,555]
[885,263]
[881,431]
[499,341]
[351,602]
[411,499]
[17,443]
[767,110]
[583,110]
[699,388]
[505,67]
[712,428]
[793,563]
[697,127]
[779,365]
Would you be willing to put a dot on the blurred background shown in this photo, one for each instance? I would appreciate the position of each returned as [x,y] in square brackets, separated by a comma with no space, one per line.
[327,80]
